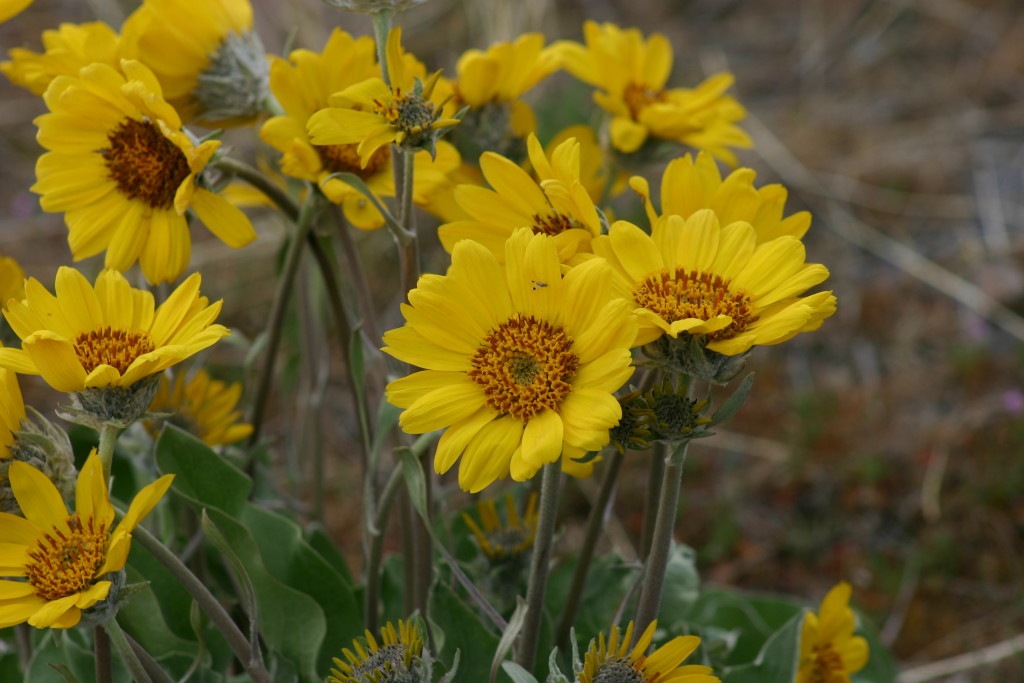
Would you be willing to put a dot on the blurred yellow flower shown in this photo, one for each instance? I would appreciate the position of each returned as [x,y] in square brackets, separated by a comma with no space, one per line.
[631,72]
[520,362]
[693,276]
[829,652]
[59,560]
[204,406]
[12,279]
[391,659]
[615,660]
[8,8]
[12,410]
[67,50]
[688,186]
[506,540]
[124,173]
[371,114]
[557,204]
[107,336]
[303,84]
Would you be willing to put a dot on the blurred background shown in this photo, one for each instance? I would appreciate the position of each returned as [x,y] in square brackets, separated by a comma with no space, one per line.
[887,449]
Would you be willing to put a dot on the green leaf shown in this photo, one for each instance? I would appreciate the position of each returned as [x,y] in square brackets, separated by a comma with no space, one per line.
[682,586]
[735,626]
[463,630]
[201,474]
[319,541]
[517,673]
[778,659]
[880,667]
[508,637]
[732,405]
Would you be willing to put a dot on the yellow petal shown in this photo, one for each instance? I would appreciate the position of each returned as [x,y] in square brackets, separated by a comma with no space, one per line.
[39,499]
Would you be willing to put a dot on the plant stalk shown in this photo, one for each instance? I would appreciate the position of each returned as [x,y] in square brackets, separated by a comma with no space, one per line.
[371,612]
[108,439]
[120,642]
[101,652]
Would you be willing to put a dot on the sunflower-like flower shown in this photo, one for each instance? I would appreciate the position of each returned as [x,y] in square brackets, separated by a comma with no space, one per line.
[716,283]
[688,186]
[203,405]
[491,84]
[397,657]
[67,50]
[107,336]
[370,114]
[9,8]
[303,84]
[209,62]
[521,362]
[503,541]
[557,205]
[829,652]
[124,172]
[631,73]
[614,660]
[60,561]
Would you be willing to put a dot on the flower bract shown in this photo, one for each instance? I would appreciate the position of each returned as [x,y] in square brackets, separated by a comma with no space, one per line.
[614,661]
[829,652]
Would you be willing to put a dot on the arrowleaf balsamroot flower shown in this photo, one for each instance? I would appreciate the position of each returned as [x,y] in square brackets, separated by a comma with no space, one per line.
[716,283]
[521,363]
[631,74]
[508,540]
[204,406]
[67,50]
[61,559]
[371,114]
[110,335]
[829,652]
[124,172]
[613,661]
[397,657]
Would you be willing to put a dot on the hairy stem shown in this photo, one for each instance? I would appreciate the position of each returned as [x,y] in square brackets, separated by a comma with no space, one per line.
[120,642]
[101,652]
[108,439]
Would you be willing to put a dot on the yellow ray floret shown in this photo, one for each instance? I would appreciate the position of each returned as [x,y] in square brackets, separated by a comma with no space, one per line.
[204,405]
[829,652]
[67,50]
[614,660]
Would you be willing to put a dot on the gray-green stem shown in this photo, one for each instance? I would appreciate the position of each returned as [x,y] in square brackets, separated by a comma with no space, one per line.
[371,612]
[108,439]
[221,620]
[382,22]
[152,667]
[103,666]
[125,651]
[655,476]
[529,637]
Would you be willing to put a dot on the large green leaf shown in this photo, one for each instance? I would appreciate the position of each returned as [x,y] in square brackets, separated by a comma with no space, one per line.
[201,474]
[464,631]
[778,659]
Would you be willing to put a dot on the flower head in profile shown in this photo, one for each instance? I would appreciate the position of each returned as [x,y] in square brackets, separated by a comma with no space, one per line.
[67,49]
[303,84]
[60,561]
[125,173]
[829,652]
[698,279]
[689,185]
[110,335]
[613,660]
[205,406]
[521,363]
[371,114]
[631,73]
[397,656]
[205,55]
[556,204]
[502,541]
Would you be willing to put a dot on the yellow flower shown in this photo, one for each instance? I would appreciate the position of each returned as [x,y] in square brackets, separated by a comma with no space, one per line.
[12,279]
[829,652]
[520,362]
[124,173]
[371,114]
[62,557]
[504,541]
[693,276]
[12,410]
[8,8]
[688,186]
[558,205]
[203,405]
[614,660]
[68,49]
[303,85]
[204,54]
[107,336]
[631,74]
[394,658]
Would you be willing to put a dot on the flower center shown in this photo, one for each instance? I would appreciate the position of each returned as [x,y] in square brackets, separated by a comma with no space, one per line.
[345,159]
[618,671]
[384,665]
[677,294]
[107,346]
[638,97]
[525,366]
[828,666]
[508,541]
[61,565]
[409,113]
[553,224]
[144,164]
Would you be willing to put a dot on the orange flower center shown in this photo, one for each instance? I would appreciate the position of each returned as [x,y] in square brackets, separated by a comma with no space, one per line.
[345,159]
[144,164]
[107,346]
[638,97]
[553,224]
[620,671]
[828,666]
[524,366]
[409,113]
[677,294]
[64,564]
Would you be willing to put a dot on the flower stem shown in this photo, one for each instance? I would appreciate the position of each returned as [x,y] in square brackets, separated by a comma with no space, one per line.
[655,477]
[275,325]
[656,563]
[382,22]
[595,524]
[261,182]
[128,656]
[150,664]
[206,600]
[526,653]
[373,560]
[108,439]
[101,652]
